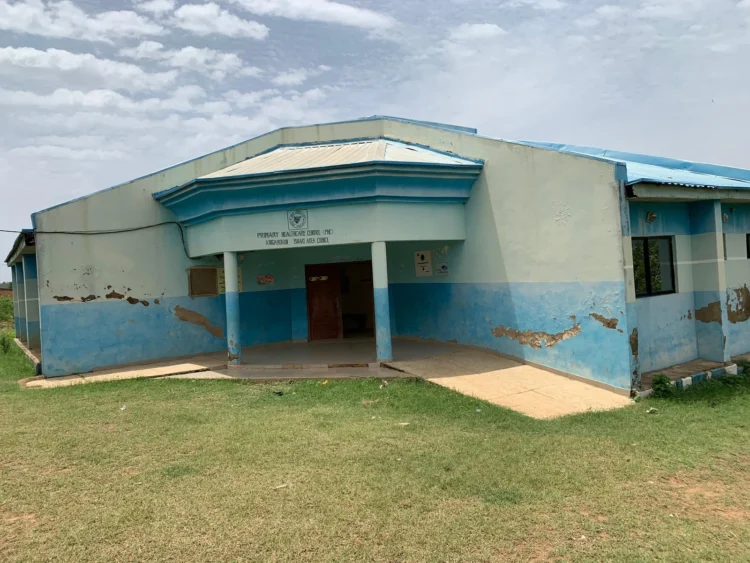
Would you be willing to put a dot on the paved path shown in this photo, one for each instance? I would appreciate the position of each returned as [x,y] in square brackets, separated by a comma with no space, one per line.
[532,391]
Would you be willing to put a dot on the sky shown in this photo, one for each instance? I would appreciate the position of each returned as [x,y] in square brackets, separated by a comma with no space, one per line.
[97,92]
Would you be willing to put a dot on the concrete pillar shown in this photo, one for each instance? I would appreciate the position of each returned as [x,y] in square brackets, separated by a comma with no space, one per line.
[709,280]
[631,310]
[382,304]
[234,346]
[31,288]
[15,299]
[21,334]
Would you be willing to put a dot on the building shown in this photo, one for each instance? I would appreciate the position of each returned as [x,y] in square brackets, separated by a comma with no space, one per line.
[600,264]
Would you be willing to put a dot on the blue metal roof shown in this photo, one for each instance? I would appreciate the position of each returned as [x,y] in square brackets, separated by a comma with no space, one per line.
[660,170]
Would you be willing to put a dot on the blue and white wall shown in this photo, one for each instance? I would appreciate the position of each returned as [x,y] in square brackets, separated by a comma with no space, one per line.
[736,229]
[540,275]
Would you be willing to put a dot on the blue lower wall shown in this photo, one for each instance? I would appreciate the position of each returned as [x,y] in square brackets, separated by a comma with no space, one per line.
[78,337]
[298,311]
[666,330]
[468,313]
[265,317]
[738,329]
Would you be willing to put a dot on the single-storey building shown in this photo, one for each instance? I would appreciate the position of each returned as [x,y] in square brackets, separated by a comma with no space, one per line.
[599,264]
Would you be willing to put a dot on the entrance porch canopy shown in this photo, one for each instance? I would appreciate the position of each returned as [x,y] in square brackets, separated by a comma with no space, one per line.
[302,196]
[373,191]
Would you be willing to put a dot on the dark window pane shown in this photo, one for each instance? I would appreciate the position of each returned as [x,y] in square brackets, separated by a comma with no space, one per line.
[747,241]
[639,267]
[660,262]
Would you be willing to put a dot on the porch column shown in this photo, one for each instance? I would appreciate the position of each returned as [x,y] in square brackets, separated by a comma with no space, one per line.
[234,346]
[709,280]
[16,320]
[21,334]
[382,305]
[31,289]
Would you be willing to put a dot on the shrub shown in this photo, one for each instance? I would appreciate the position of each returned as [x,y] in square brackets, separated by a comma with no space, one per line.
[6,310]
[6,341]
[663,387]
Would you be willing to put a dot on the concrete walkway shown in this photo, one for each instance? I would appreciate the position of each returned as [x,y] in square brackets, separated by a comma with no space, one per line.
[529,390]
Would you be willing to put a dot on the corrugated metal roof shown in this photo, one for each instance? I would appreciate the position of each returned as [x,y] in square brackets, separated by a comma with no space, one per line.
[337,154]
[659,170]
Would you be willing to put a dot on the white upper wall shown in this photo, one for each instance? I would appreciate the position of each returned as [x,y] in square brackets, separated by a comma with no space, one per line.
[534,216]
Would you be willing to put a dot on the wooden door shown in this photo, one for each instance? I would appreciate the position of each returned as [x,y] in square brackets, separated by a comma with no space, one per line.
[323,283]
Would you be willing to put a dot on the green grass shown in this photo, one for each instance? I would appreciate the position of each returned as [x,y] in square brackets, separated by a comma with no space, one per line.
[216,470]
[6,312]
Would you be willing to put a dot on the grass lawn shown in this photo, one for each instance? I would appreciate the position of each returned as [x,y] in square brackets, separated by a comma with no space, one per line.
[231,471]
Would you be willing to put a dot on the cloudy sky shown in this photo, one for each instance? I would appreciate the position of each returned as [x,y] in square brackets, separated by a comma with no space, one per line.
[95,92]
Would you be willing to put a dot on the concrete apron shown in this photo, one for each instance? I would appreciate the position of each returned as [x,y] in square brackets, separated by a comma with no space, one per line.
[529,390]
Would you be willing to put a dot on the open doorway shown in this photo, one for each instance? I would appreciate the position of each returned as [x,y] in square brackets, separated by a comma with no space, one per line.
[357,305]
[340,300]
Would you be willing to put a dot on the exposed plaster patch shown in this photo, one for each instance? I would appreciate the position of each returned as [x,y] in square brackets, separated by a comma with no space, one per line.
[608,323]
[144,303]
[536,340]
[114,295]
[738,309]
[711,313]
[62,298]
[88,298]
[156,301]
[634,343]
[132,300]
[192,317]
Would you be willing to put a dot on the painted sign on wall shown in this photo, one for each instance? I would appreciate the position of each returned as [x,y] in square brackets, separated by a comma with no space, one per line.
[265,279]
[299,232]
[423,263]
[441,269]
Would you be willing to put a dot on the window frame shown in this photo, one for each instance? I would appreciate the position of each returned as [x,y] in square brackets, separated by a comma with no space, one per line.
[190,281]
[647,266]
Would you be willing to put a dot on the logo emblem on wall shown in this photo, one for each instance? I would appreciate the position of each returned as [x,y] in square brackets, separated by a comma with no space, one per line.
[297,219]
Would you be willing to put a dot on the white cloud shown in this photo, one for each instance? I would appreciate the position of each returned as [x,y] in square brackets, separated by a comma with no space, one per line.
[210,62]
[65,19]
[183,99]
[672,9]
[61,63]
[245,100]
[67,153]
[320,11]
[587,22]
[546,5]
[210,19]
[744,4]
[297,76]
[472,31]
[154,6]
[610,11]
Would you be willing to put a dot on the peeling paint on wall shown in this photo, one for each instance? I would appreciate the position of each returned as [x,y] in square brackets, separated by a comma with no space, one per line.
[608,323]
[738,307]
[114,295]
[536,340]
[188,316]
[62,298]
[711,313]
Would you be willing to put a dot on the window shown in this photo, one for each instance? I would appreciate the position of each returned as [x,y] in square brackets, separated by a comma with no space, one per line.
[653,266]
[747,244]
[203,281]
